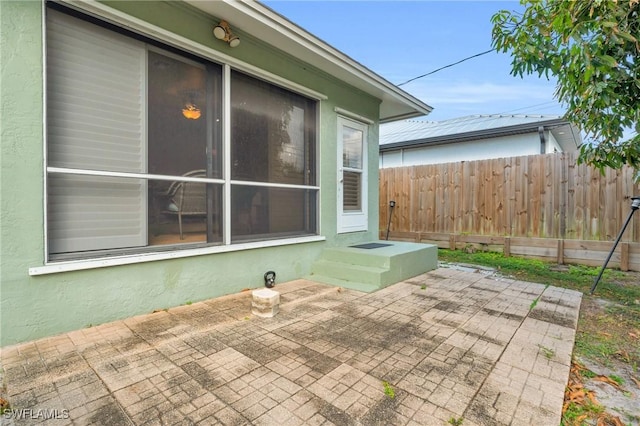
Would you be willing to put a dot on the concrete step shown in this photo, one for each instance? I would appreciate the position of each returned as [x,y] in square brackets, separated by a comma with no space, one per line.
[375,258]
[337,282]
[373,269]
[348,271]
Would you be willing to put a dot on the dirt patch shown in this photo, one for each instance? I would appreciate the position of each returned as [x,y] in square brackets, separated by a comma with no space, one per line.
[500,314]
[620,398]
[552,317]
[448,306]
[607,355]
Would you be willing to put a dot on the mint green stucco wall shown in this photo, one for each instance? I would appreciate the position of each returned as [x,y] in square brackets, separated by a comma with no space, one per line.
[35,306]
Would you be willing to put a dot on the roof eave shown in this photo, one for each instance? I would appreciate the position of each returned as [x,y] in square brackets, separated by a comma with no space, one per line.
[475,135]
[264,23]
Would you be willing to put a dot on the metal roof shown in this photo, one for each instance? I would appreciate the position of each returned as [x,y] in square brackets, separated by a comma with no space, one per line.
[263,23]
[413,133]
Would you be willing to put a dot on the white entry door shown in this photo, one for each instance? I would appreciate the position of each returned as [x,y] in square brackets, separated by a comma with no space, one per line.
[352,175]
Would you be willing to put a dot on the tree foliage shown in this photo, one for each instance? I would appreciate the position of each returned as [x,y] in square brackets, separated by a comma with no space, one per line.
[593,50]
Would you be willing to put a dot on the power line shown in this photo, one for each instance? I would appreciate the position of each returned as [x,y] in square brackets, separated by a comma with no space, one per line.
[447,66]
[548,103]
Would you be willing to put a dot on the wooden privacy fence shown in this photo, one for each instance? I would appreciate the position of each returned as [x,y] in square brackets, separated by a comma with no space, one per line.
[544,206]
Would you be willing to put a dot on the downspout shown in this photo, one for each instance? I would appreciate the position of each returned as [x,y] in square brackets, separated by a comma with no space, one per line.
[543,142]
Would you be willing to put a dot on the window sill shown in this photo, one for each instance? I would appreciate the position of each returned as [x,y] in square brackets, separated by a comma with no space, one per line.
[80,265]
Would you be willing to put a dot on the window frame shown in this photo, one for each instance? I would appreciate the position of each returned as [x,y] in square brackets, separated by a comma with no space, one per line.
[167,41]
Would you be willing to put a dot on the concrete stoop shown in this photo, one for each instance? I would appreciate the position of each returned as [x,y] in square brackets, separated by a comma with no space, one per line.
[373,269]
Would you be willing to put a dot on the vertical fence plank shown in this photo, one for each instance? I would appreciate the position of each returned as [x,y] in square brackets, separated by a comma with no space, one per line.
[522,196]
[595,195]
[563,193]
[421,204]
[457,196]
[508,197]
[383,199]
[580,205]
[610,223]
[533,209]
[630,190]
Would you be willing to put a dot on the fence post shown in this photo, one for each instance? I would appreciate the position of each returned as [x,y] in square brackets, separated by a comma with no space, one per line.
[560,252]
[624,257]
[507,247]
[452,242]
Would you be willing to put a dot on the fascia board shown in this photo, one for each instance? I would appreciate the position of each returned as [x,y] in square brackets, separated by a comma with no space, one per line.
[265,24]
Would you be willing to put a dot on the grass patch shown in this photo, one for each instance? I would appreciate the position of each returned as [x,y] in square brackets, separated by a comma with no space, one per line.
[614,285]
[534,303]
[578,413]
[619,380]
[536,300]
[604,335]
[547,352]
[388,390]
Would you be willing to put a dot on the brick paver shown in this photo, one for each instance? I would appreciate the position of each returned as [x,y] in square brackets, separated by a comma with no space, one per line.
[441,346]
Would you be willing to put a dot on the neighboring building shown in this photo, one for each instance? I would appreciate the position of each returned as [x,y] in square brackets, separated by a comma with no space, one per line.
[172,165]
[476,137]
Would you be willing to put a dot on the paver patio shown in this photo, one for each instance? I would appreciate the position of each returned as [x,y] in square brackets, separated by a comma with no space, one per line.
[444,345]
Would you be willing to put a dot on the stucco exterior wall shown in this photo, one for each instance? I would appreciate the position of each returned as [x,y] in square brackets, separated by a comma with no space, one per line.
[506,146]
[36,306]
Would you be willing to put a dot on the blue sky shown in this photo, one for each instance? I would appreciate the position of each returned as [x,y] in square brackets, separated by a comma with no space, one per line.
[400,40]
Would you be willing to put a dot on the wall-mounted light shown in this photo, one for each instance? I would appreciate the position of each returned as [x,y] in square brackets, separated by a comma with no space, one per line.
[191,112]
[223,32]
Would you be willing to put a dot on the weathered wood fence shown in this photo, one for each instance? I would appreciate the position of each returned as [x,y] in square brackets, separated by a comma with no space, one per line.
[544,206]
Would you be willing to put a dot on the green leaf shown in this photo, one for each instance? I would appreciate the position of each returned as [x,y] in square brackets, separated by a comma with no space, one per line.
[608,61]
[627,36]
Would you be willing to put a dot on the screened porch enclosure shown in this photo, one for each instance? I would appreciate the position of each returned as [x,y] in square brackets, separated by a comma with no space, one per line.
[136,156]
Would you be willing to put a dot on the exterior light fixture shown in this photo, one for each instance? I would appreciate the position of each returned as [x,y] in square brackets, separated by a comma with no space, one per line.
[191,112]
[223,32]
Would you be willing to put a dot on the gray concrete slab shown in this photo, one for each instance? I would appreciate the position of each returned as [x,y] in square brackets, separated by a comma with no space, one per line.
[443,346]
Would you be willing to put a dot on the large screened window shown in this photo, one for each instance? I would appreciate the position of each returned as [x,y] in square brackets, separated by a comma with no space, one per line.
[137,160]
[273,144]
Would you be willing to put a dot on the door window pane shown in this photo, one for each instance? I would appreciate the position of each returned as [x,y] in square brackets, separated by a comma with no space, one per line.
[352,147]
